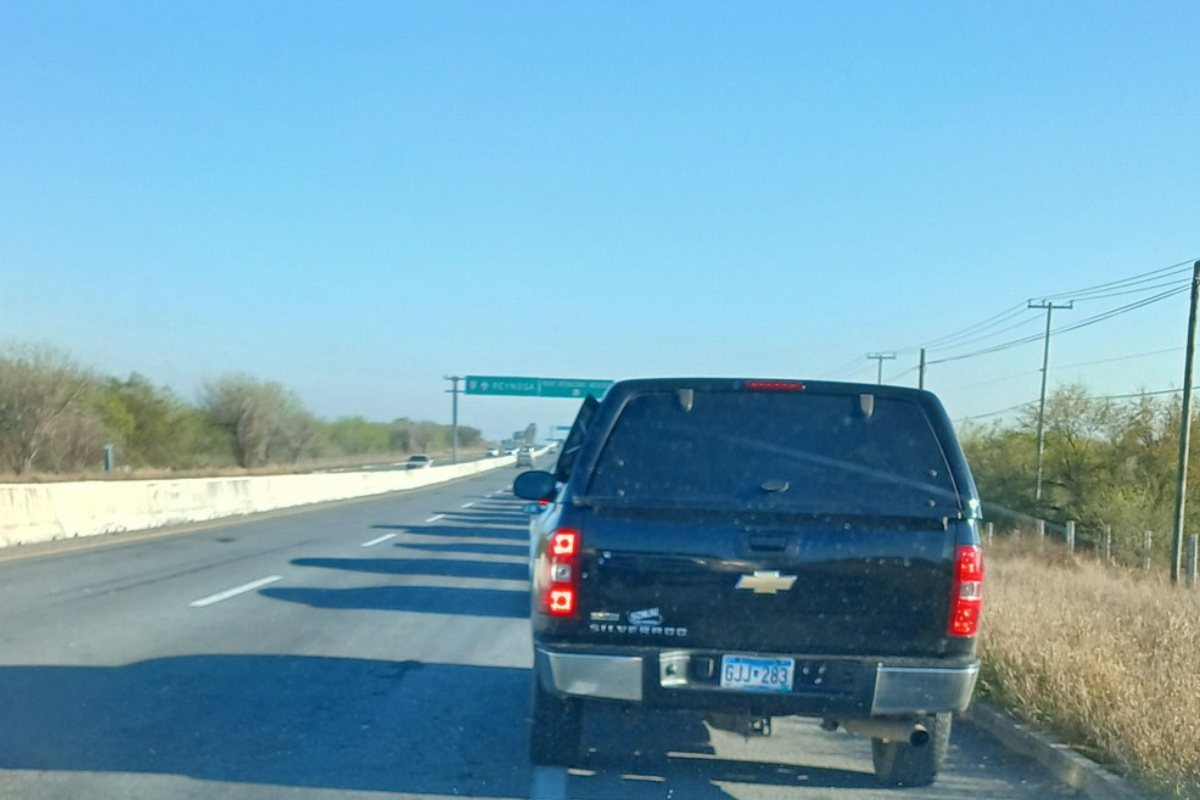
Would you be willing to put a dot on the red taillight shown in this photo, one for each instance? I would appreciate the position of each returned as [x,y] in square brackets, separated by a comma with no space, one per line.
[563,543]
[966,591]
[775,386]
[561,602]
[560,581]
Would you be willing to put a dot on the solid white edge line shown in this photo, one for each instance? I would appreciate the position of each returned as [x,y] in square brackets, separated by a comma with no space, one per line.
[379,540]
[234,592]
[549,783]
[436,517]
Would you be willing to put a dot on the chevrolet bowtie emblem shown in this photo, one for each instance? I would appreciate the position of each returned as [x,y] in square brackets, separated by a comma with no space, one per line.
[762,582]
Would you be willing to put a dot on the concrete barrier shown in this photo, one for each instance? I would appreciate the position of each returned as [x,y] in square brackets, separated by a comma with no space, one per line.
[43,512]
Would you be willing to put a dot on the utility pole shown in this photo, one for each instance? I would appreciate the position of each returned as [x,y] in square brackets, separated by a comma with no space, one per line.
[453,390]
[1041,430]
[921,371]
[881,357]
[1185,430]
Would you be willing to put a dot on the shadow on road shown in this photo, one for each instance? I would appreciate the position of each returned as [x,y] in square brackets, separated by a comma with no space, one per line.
[485,517]
[416,599]
[640,755]
[476,548]
[509,534]
[447,567]
[347,724]
[339,723]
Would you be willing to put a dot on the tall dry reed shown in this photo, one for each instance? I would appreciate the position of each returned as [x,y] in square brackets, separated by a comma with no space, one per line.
[1107,659]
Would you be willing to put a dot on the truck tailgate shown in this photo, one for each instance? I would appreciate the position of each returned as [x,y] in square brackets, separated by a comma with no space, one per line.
[792,584]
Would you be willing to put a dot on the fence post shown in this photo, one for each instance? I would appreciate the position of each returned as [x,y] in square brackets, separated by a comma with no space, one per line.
[1071,537]
[991,531]
[1107,544]
[1191,561]
[1041,530]
[1147,543]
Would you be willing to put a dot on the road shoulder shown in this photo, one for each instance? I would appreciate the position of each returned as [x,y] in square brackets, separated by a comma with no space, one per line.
[1063,763]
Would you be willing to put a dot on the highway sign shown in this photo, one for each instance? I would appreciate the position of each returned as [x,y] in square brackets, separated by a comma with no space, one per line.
[500,384]
[533,387]
[560,387]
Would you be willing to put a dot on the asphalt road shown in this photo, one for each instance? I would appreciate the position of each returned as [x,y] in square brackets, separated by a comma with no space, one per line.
[368,649]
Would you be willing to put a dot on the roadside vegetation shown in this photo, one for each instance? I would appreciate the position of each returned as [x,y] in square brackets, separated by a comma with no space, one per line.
[1106,659]
[1103,655]
[56,417]
[1108,465]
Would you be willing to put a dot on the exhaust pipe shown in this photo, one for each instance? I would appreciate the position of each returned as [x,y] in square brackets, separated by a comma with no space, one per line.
[888,729]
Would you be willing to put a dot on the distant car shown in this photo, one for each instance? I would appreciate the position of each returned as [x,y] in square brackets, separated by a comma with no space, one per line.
[418,462]
[525,457]
[493,452]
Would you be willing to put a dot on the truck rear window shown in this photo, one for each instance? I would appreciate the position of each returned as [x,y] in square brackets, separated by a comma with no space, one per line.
[787,451]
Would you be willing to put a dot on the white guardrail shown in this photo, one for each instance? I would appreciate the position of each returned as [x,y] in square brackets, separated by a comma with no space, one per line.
[43,512]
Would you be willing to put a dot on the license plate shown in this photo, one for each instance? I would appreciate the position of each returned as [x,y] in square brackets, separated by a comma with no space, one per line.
[749,674]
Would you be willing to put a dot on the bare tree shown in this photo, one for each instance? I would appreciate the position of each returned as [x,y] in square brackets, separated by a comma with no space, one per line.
[295,434]
[41,389]
[76,441]
[257,414]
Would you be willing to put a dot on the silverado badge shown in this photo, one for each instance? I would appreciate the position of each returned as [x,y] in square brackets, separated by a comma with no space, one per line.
[766,582]
[647,616]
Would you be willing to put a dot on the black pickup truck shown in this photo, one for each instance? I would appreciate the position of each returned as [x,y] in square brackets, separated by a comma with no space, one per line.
[756,548]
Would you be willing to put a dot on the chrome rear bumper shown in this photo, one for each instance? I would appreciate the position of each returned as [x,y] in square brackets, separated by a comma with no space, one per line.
[894,690]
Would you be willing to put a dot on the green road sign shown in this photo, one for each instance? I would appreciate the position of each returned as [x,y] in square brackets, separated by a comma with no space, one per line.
[560,387]
[533,387]
[499,384]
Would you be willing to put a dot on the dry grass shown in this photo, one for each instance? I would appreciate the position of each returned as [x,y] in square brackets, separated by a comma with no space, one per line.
[1106,659]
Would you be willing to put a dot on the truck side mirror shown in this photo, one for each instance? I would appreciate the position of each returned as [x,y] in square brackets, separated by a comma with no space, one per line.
[535,485]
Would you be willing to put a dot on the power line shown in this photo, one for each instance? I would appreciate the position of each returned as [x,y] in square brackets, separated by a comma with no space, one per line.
[988,350]
[847,369]
[1126,292]
[1138,394]
[1121,358]
[1002,322]
[1027,373]
[945,341]
[1123,309]
[1133,396]
[998,380]
[1026,404]
[1101,317]
[985,337]
[1135,284]
[1155,274]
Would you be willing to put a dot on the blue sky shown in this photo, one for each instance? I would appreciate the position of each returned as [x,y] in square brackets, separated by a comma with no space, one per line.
[356,199]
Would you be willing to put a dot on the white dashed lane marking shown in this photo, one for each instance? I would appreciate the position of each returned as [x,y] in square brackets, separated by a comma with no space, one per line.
[468,505]
[379,540]
[436,517]
[234,592]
